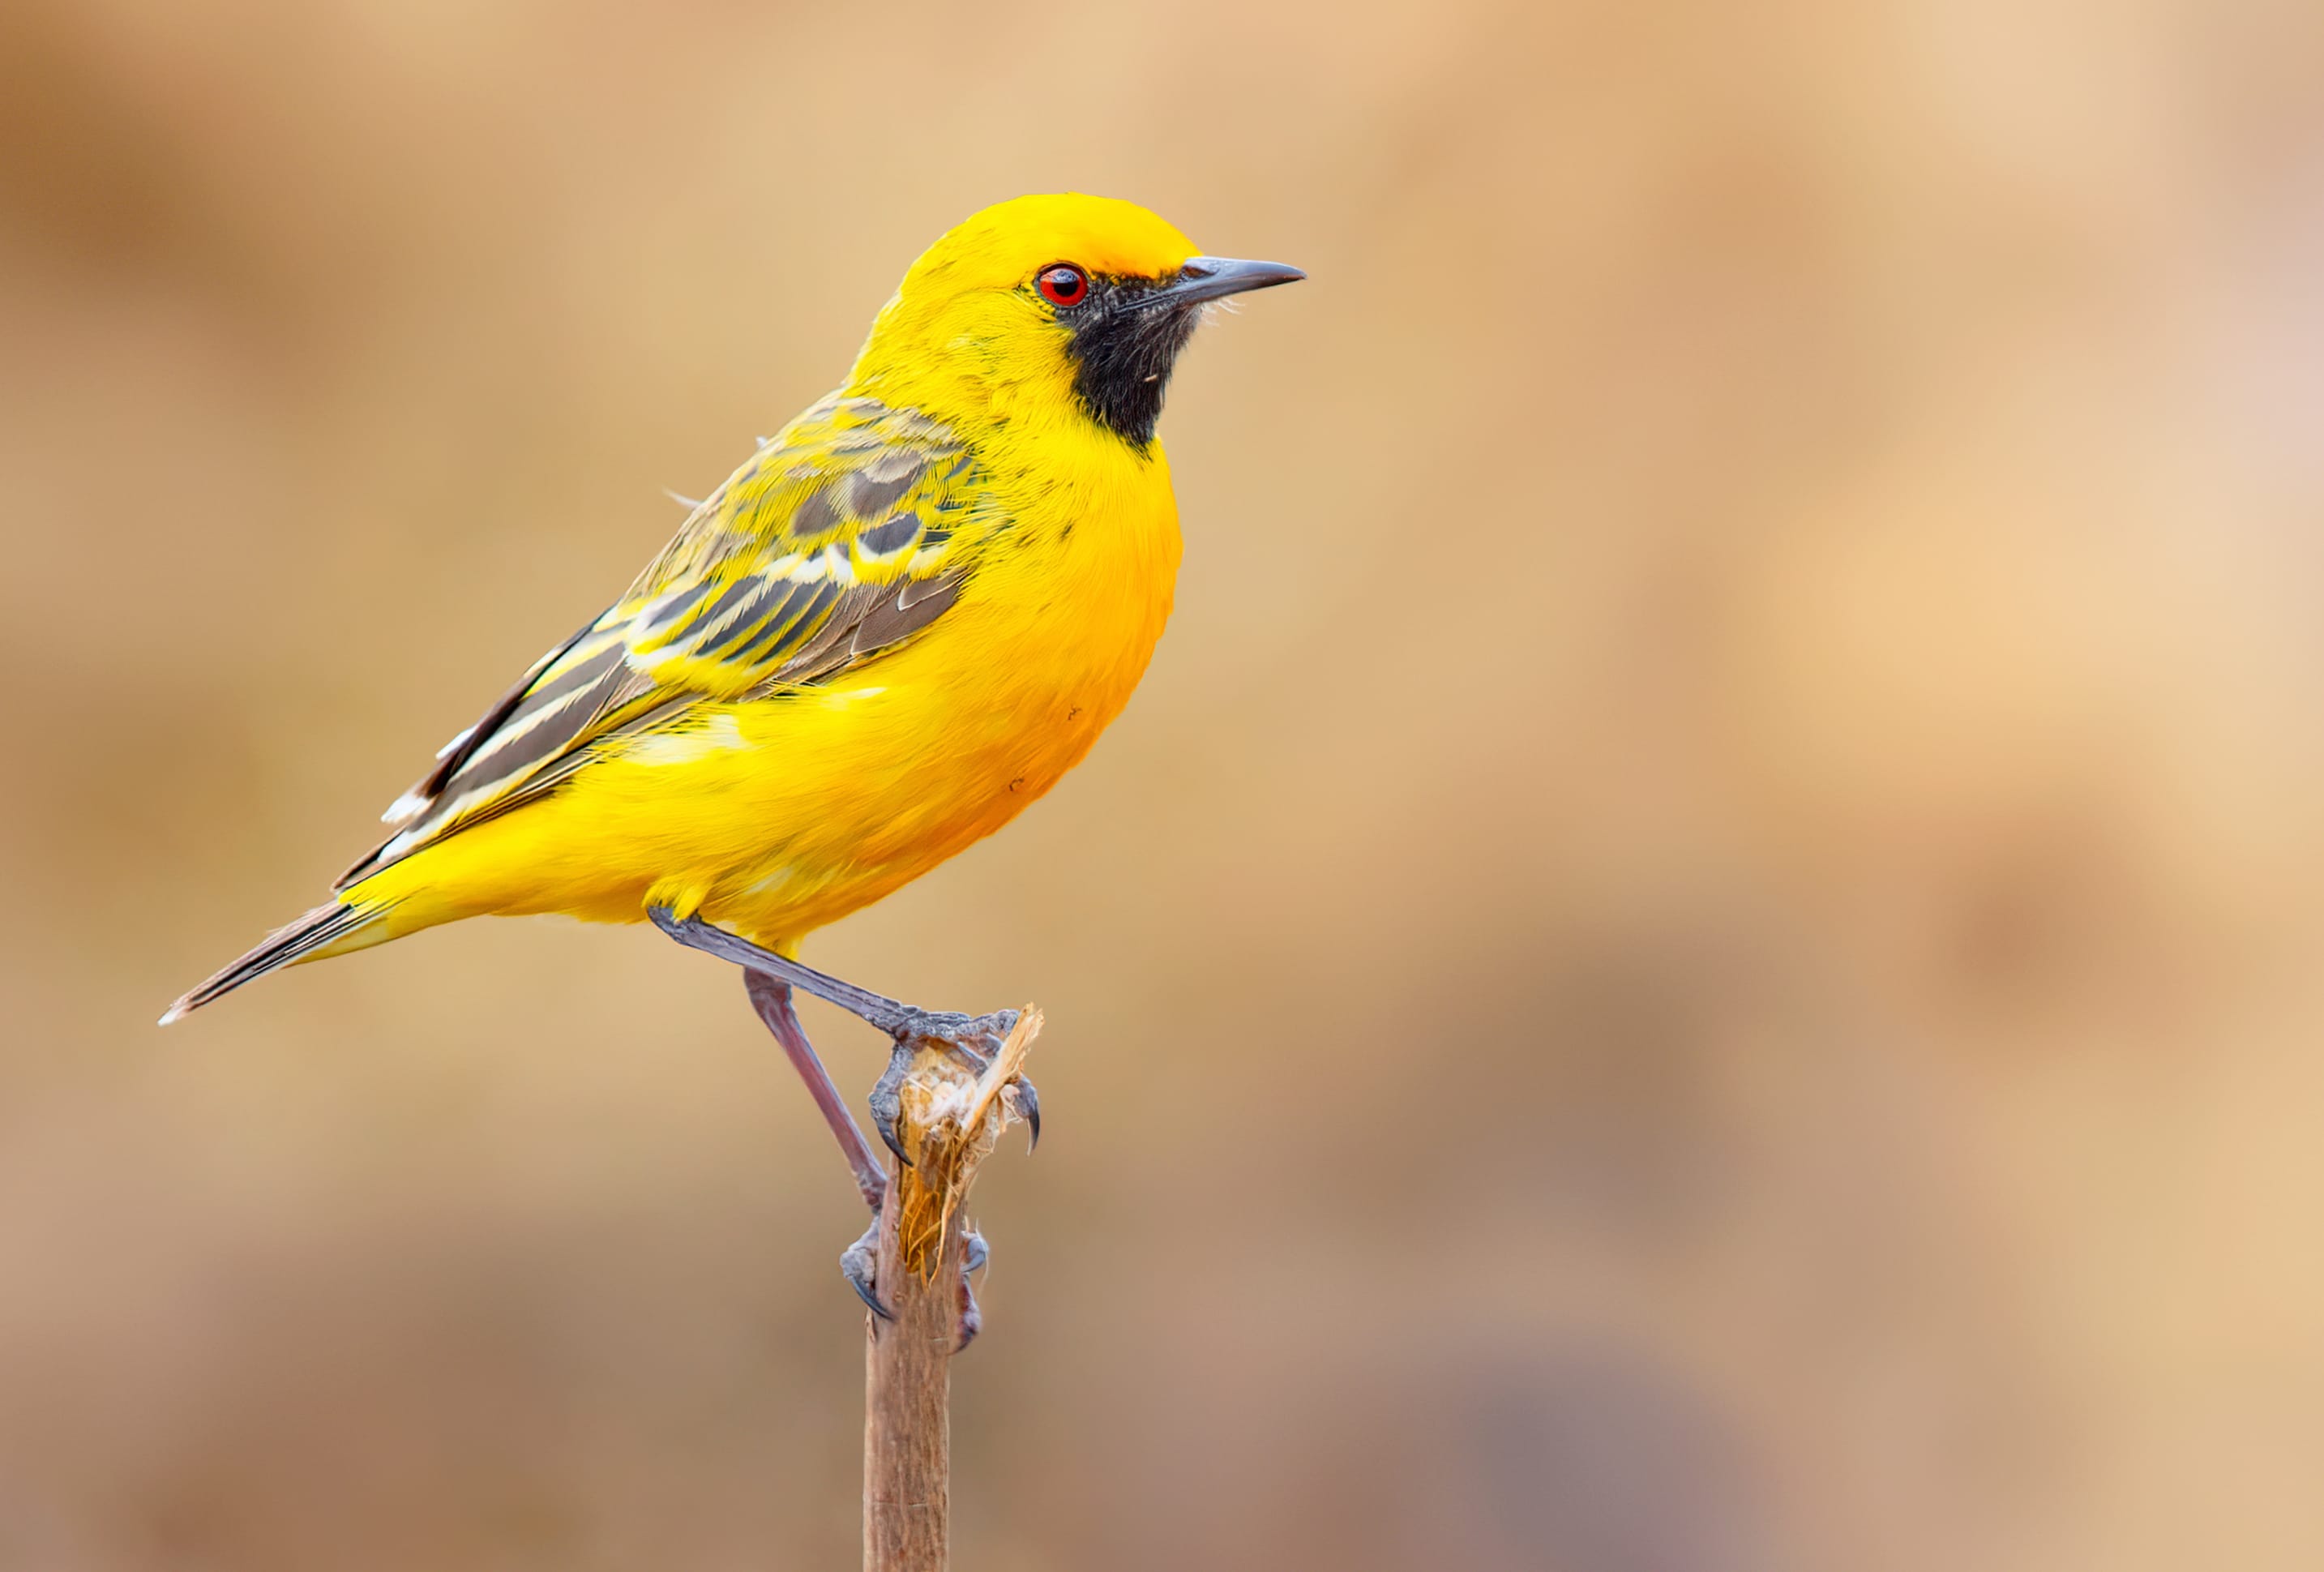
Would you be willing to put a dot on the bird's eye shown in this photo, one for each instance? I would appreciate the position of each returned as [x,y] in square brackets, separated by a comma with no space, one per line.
[1062,284]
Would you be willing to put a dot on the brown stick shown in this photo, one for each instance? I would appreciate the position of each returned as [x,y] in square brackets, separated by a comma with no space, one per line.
[906,1406]
[949,1122]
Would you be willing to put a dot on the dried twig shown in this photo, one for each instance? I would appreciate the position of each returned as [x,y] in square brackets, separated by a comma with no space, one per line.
[950,1121]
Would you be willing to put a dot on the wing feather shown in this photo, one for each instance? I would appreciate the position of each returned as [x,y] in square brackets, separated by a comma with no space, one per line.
[833,543]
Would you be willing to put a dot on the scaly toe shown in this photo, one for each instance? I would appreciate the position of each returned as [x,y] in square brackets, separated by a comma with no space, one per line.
[975,1038]
[859,1264]
[933,1025]
[1029,1108]
[974,1254]
[886,1103]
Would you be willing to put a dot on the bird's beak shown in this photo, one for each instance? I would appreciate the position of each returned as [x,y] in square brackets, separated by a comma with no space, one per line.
[1210,278]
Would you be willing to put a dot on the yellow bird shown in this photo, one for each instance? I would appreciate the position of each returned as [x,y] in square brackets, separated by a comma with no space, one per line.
[897,623]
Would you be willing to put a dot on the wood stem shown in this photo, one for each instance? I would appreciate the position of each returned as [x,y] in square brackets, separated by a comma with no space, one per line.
[949,1122]
[908,1402]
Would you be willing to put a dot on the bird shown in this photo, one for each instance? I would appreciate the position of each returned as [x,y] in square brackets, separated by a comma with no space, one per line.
[896,624]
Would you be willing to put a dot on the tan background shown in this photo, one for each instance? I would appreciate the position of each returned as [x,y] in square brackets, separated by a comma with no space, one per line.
[1699,953]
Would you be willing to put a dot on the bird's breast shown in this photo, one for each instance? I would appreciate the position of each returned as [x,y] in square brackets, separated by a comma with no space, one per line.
[1059,624]
[854,789]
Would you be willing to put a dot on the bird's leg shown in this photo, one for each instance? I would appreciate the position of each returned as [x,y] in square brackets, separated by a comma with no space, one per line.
[971,1038]
[771,994]
[897,1020]
[772,1000]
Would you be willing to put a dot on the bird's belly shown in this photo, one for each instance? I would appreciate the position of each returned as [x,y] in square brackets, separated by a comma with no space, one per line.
[883,780]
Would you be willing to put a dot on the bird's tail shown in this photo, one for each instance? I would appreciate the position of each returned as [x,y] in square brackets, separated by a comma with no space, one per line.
[326,930]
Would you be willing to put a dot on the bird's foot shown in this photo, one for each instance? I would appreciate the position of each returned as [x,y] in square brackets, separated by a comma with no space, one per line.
[973,1040]
[859,1264]
[976,1253]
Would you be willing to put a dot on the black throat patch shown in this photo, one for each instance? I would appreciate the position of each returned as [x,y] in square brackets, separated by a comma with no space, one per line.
[1123,344]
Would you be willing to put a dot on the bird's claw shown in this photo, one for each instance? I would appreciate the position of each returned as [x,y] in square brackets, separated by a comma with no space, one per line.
[1029,1108]
[886,1103]
[974,1253]
[971,1039]
[859,1264]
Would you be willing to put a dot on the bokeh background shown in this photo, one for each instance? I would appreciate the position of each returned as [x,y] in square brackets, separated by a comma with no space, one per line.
[1701,952]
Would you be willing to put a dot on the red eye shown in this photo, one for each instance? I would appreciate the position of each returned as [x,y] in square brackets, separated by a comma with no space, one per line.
[1064,284]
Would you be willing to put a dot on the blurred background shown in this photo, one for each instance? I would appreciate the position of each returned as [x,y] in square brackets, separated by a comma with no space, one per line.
[1699,952]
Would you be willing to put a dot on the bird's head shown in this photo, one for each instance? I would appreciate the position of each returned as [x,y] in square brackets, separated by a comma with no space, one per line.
[1050,308]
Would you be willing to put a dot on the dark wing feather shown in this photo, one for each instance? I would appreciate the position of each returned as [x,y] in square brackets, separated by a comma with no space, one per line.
[463,747]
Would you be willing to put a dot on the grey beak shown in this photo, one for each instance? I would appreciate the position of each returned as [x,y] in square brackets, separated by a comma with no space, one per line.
[1210,278]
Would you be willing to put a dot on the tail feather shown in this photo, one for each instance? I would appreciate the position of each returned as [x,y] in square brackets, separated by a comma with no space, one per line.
[322,931]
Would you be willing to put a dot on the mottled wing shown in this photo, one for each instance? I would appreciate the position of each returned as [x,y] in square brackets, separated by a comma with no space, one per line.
[833,542]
